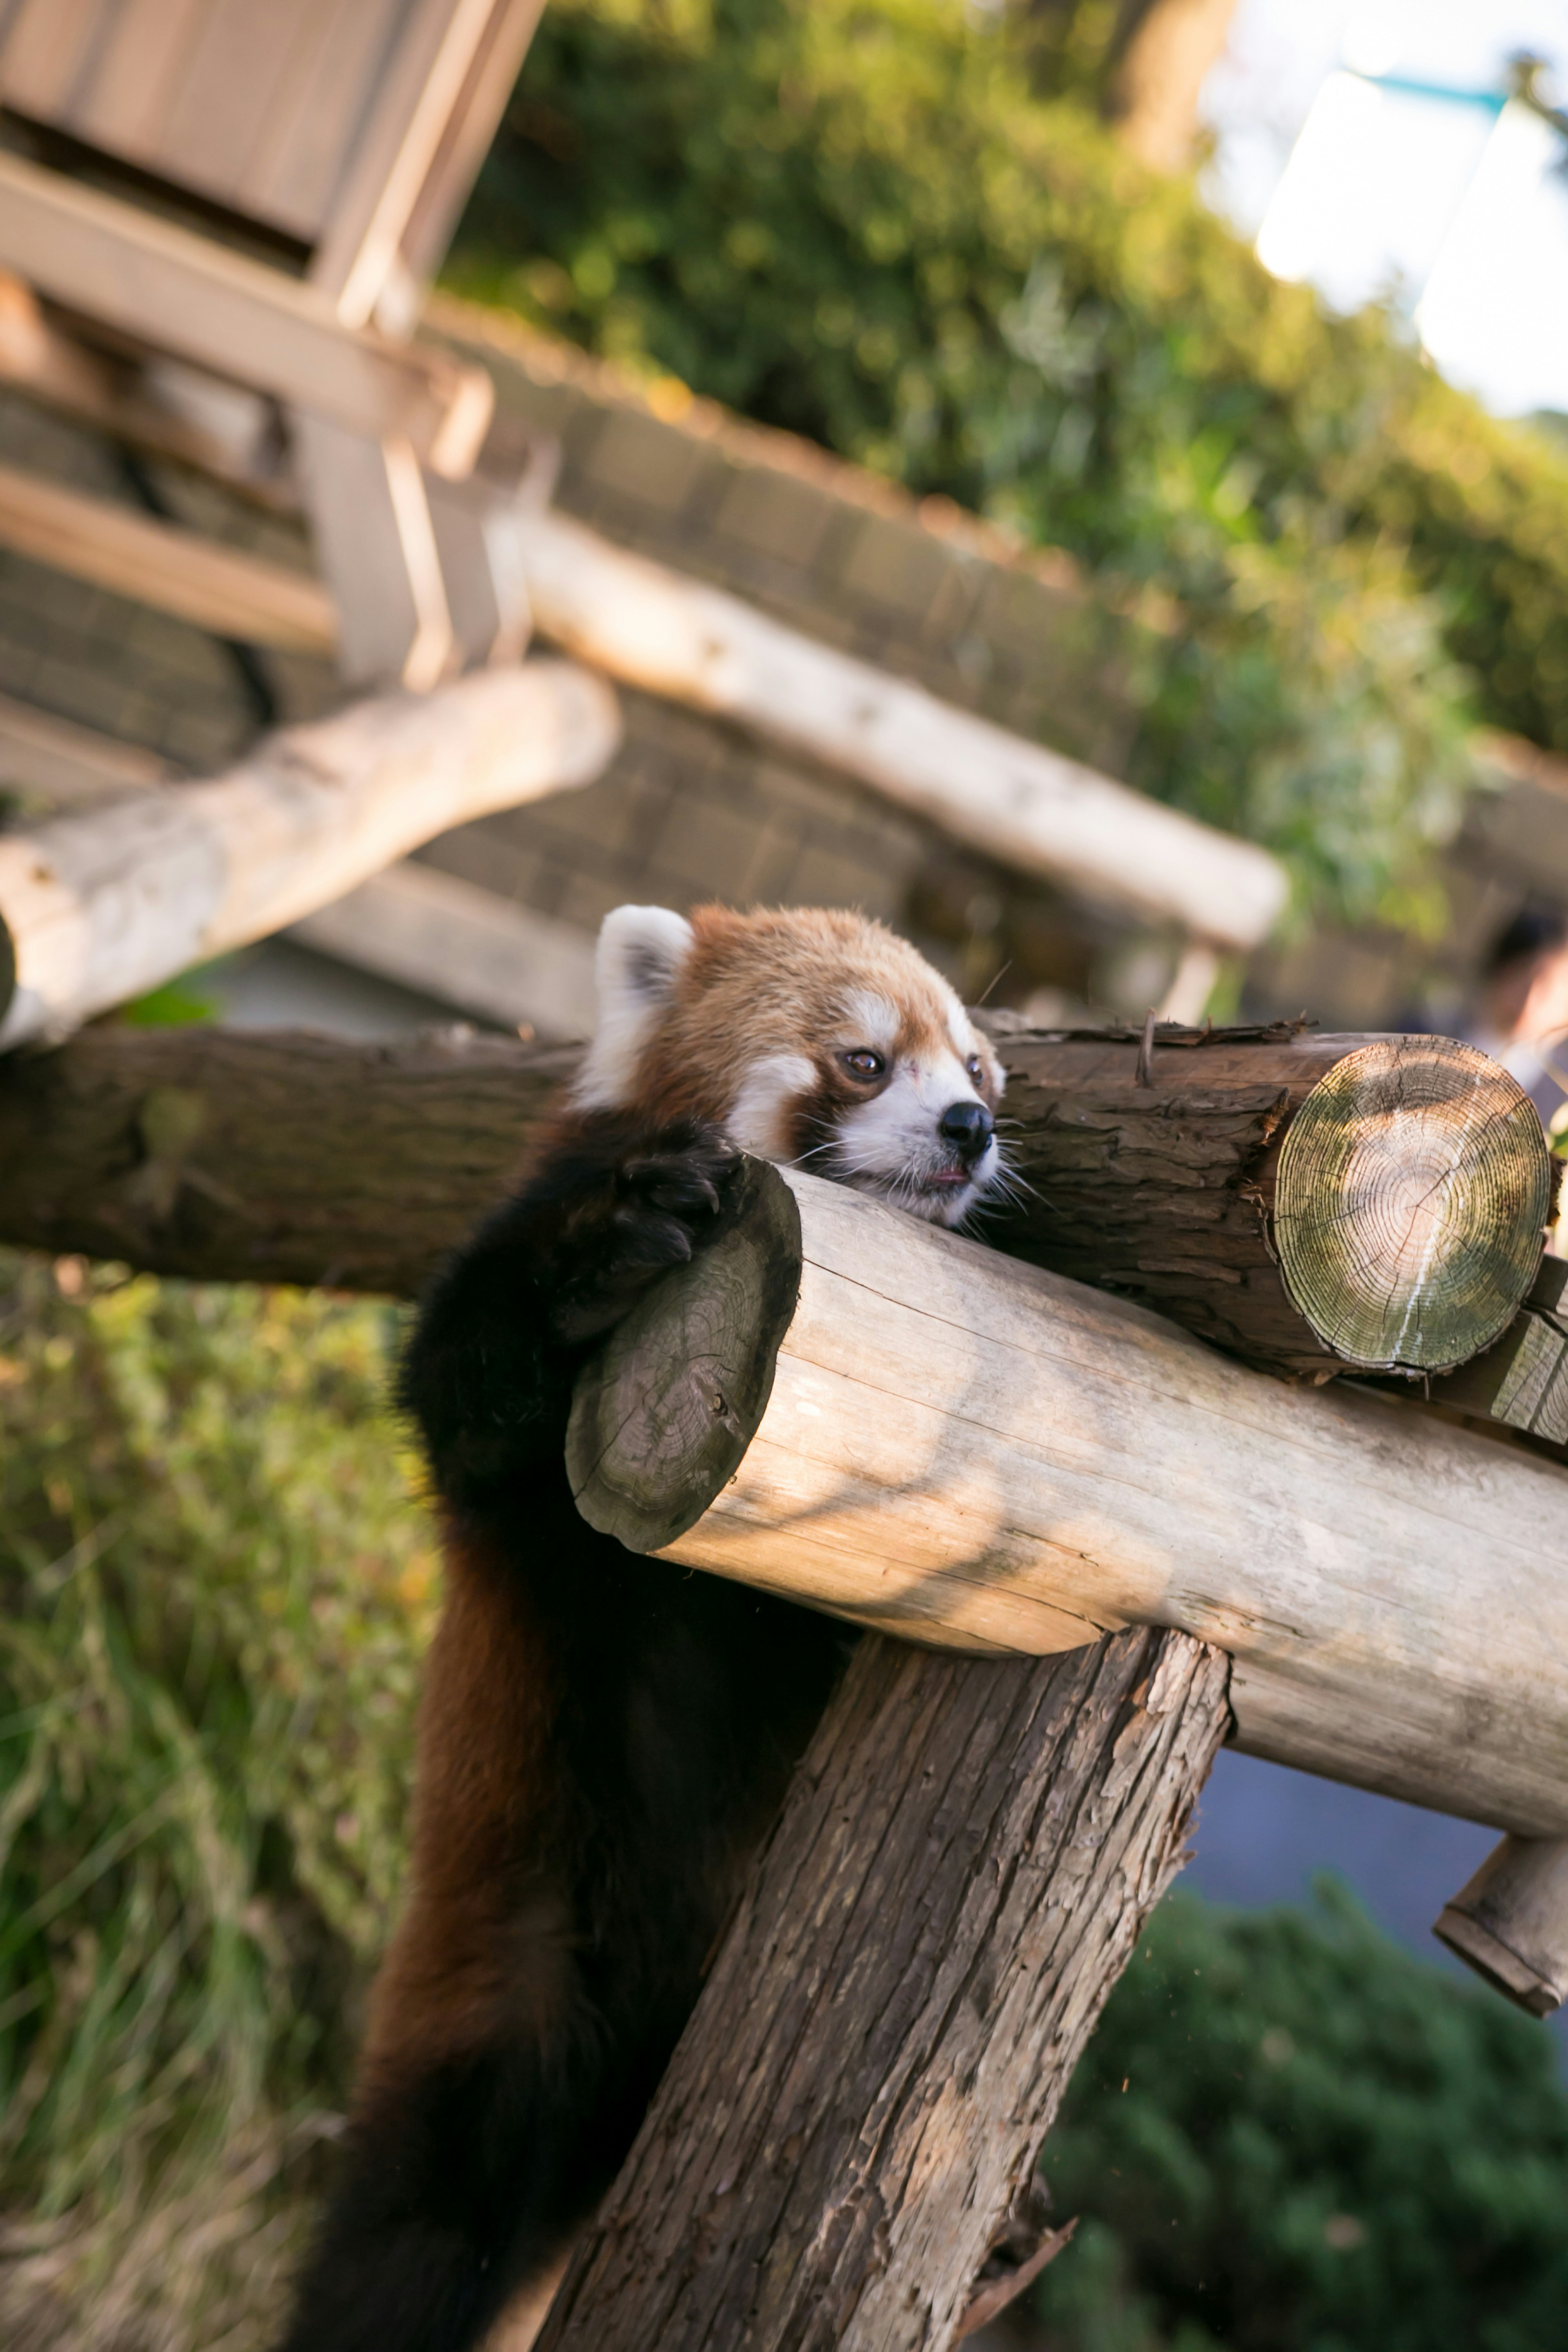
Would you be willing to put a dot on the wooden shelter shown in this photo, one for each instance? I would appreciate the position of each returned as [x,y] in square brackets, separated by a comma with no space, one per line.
[220,219]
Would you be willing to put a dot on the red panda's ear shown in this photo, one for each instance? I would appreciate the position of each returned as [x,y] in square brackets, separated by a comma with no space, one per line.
[638,960]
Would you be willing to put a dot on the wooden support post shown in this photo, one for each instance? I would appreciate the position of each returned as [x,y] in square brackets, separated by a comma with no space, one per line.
[101,905]
[850,2125]
[370,519]
[1510,1922]
[934,1442]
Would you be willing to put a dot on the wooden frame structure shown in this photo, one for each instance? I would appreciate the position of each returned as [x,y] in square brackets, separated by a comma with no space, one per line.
[315,160]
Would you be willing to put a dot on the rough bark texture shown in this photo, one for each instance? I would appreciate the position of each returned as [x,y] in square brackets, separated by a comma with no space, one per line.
[852,2120]
[235,1155]
[293,1157]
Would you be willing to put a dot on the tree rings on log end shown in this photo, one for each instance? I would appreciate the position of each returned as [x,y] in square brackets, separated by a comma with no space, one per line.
[1413,1188]
[663,1414]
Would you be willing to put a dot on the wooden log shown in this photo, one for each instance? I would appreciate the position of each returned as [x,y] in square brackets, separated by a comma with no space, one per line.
[1169,1169]
[1160,1192]
[103,906]
[852,2121]
[1509,1922]
[965,1453]
[245,1155]
[1034,809]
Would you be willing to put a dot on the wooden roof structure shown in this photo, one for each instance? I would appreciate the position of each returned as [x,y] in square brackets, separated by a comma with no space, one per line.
[219,217]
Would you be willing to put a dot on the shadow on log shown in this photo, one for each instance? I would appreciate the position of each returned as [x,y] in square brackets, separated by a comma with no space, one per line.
[851,2123]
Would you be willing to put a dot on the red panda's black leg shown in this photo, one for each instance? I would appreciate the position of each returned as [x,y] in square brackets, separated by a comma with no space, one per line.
[603,1738]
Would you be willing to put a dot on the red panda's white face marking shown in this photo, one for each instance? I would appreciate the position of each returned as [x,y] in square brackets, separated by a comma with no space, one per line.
[815,1038]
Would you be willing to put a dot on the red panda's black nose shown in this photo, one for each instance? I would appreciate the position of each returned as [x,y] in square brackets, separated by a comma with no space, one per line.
[967,1126]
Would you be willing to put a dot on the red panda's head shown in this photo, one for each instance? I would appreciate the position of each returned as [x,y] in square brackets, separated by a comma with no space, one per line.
[813,1037]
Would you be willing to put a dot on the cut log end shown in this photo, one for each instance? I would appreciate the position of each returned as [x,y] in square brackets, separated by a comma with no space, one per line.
[1509,1923]
[1413,1189]
[663,1414]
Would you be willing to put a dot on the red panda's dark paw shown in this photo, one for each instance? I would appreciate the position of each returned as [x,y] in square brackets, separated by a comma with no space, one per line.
[682,1172]
[665,1203]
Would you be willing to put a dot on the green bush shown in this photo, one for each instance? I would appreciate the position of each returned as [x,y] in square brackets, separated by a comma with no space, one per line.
[1287,2136]
[857,220]
[213,1592]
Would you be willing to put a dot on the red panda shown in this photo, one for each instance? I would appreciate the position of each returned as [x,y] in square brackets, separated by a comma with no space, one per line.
[604,1738]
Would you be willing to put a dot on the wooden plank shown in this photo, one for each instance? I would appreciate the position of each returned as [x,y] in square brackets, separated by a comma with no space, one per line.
[959,1450]
[371,520]
[104,906]
[215,588]
[470,129]
[1035,810]
[134,404]
[237,71]
[62,763]
[424,83]
[470,948]
[48,48]
[138,62]
[159,283]
[295,180]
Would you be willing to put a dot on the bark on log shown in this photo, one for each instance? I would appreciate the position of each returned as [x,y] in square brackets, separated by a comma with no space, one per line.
[103,906]
[852,2120]
[975,1455]
[1035,809]
[235,1156]
[307,1160]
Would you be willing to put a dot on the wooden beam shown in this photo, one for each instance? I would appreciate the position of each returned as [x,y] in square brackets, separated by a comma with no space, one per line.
[168,288]
[100,906]
[215,588]
[470,948]
[843,2147]
[134,401]
[370,522]
[1160,1194]
[1034,810]
[961,1451]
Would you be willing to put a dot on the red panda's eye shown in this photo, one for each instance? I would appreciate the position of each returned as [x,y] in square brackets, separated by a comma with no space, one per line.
[865,1064]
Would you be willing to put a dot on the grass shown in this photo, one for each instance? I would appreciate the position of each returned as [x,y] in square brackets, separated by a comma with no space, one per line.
[214,1589]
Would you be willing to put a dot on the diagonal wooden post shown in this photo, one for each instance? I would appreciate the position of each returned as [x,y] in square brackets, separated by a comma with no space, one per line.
[848,2132]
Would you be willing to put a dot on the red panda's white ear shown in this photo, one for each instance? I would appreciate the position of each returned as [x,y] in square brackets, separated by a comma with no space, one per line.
[638,959]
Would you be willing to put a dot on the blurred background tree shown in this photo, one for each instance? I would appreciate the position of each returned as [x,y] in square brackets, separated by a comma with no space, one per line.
[902,229]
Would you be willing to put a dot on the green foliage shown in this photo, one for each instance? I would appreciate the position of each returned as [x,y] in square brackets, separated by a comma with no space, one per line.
[214,1590]
[1288,2136]
[856,219]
